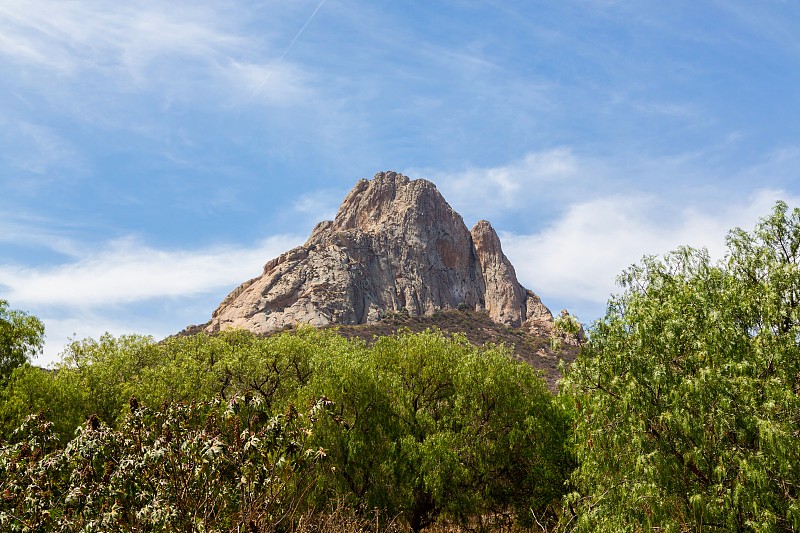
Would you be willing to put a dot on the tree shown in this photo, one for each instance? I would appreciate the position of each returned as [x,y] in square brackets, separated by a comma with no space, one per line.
[21,337]
[58,395]
[98,376]
[686,401]
[430,426]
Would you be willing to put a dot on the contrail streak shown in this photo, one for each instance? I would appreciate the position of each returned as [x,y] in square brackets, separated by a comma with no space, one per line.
[288,48]
[299,33]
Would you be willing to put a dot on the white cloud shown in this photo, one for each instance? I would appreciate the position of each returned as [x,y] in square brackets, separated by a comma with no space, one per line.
[579,255]
[71,36]
[495,189]
[33,231]
[591,216]
[141,45]
[547,183]
[39,150]
[128,271]
[276,83]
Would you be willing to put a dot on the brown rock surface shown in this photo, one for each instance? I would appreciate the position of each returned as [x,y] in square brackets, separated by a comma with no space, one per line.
[394,246]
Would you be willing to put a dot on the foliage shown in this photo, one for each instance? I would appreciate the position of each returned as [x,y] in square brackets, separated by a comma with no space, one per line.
[434,426]
[687,400]
[21,337]
[566,328]
[208,466]
[424,425]
[56,395]
[98,376]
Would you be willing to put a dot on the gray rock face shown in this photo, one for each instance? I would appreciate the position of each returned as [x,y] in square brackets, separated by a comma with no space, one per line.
[395,245]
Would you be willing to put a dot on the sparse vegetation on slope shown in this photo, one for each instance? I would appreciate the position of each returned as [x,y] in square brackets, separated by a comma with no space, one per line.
[479,329]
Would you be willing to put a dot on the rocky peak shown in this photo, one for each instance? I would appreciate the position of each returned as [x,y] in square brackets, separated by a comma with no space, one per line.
[388,199]
[395,245]
[505,297]
[392,204]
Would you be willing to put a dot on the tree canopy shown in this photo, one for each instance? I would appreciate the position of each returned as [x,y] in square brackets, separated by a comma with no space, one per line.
[422,427]
[686,402]
[682,413]
[21,337]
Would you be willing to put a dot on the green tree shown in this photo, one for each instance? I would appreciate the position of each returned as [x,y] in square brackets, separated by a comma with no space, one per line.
[58,395]
[430,426]
[98,376]
[21,337]
[422,426]
[686,401]
[108,371]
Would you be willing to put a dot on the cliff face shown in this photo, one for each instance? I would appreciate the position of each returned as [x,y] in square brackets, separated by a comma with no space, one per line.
[395,245]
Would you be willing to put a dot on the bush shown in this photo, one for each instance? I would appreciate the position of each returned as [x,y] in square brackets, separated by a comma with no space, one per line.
[21,337]
[206,466]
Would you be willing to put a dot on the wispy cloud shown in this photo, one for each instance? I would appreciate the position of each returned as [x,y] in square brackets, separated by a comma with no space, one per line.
[130,287]
[319,205]
[781,165]
[545,184]
[773,22]
[36,231]
[72,36]
[589,216]
[144,45]
[38,151]
[495,189]
[274,83]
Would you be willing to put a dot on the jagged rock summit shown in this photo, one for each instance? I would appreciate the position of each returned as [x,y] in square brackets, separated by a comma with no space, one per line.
[395,246]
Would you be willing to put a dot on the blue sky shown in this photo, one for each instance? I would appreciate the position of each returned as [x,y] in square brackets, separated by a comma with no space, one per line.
[155,154]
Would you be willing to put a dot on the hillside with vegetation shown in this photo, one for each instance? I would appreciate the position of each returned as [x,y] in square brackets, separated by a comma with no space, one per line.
[546,353]
[680,413]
